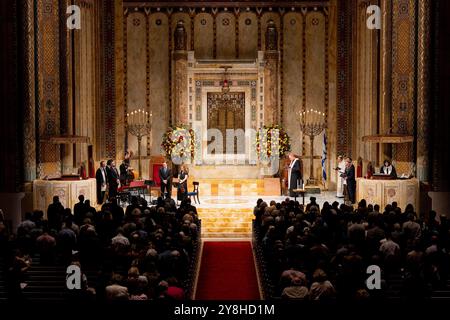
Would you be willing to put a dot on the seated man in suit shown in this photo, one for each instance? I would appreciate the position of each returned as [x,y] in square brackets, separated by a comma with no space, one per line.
[165,175]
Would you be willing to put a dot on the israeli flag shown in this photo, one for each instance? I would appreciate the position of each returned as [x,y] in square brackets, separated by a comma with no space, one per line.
[324,157]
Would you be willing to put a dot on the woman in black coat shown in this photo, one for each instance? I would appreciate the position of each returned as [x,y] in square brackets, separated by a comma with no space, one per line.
[182,183]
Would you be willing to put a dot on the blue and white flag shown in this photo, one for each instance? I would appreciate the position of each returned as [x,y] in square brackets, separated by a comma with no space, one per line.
[324,157]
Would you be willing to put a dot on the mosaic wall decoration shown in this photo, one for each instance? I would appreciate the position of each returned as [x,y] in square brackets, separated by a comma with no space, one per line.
[29,117]
[344,79]
[403,78]
[423,89]
[48,112]
[109,78]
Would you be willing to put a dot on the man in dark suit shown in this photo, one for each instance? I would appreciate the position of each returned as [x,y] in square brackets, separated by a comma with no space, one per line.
[102,180]
[165,176]
[350,180]
[55,213]
[113,179]
[294,174]
[79,210]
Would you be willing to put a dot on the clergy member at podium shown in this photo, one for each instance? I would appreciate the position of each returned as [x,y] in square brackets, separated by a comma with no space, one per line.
[294,174]
[388,169]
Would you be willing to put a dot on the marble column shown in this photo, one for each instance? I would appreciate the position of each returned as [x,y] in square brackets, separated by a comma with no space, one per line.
[180,93]
[48,84]
[385,111]
[404,28]
[66,94]
[365,84]
[423,89]
[29,107]
[115,116]
[271,57]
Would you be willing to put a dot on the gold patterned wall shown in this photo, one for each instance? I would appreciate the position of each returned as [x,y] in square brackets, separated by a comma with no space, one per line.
[388,84]
[403,78]
[147,73]
[292,73]
[47,109]
[248,35]
[87,112]
[306,63]
[136,73]
[62,87]
[226,35]
[204,35]
[365,98]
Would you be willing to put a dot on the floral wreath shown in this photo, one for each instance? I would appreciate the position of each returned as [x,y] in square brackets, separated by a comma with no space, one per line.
[173,142]
[264,141]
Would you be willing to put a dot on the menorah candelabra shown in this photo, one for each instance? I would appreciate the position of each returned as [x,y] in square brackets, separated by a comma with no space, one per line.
[312,123]
[139,125]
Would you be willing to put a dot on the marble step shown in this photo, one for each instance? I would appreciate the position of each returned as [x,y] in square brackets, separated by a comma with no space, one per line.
[225,215]
[231,208]
[234,235]
[225,221]
[226,225]
[226,229]
[226,218]
[225,212]
[208,219]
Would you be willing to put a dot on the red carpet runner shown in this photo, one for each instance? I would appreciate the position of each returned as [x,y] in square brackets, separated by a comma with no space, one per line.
[227,272]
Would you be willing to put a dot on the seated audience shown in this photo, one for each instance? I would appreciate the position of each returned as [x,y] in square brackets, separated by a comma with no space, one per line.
[331,249]
[141,254]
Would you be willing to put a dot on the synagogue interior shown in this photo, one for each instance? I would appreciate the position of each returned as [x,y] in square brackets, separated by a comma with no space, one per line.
[224,150]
